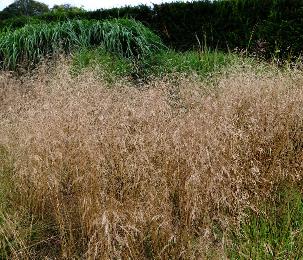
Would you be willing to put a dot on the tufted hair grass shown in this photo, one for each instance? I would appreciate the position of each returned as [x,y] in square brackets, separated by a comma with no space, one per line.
[160,172]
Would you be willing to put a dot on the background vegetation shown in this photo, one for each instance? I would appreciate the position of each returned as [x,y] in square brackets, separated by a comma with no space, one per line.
[28,45]
[265,27]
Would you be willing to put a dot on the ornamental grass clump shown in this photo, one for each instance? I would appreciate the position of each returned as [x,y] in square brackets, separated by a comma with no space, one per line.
[158,172]
[28,45]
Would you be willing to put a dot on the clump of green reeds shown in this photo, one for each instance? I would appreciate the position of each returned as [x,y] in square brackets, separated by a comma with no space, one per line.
[28,45]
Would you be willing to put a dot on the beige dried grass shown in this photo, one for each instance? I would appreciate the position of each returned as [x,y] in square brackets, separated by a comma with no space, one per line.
[123,172]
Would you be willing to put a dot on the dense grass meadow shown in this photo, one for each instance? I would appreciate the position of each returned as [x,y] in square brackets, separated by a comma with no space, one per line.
[113,146]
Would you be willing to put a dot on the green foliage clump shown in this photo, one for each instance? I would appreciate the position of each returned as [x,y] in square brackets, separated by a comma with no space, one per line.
[127,38]
[202,63]
[17,22]
[124,37]
[159,64]
[111,65]
[274,233]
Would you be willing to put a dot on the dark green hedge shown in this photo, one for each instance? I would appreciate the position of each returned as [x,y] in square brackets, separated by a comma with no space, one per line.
[266,27]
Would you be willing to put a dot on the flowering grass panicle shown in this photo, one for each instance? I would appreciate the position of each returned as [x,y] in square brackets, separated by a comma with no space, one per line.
[158,173]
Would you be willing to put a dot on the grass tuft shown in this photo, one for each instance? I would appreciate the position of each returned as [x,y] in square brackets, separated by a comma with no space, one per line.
[164,171]
[28,45]
[160,64]
[274,233]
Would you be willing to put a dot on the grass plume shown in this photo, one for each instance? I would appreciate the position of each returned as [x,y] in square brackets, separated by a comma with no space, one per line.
[161,172]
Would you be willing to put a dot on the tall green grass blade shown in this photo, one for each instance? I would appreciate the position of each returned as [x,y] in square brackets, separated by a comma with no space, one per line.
[28,45]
